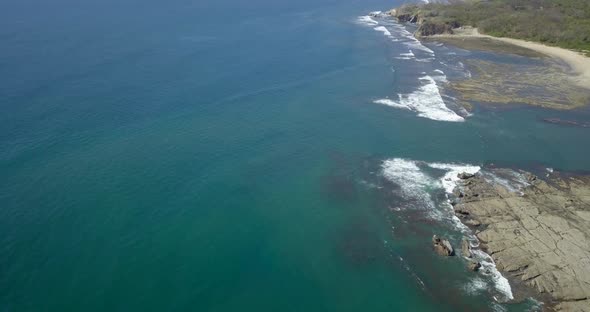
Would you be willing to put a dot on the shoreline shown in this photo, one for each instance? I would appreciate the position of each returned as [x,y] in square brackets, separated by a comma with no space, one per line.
[534,230]
[578,64]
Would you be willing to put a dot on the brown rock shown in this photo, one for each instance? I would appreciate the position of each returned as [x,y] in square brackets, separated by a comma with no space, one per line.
[442,246]
[465,175]
[461,211]
[466,248]
[540,231]
[472,222]
[474,266]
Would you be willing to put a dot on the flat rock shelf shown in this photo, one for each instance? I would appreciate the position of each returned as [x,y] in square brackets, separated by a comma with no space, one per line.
[536,230]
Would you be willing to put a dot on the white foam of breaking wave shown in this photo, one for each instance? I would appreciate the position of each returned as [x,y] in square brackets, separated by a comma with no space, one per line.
[410,53]
[449,182]
[415,185]
[489,268]
[425,60]
[412,181]
[406,56]
[412,41]
[426,101]
[441,77]
[400,31]
[383,30]
[391,103]
[515,183]
[450,179]
[367,20]
[475,285]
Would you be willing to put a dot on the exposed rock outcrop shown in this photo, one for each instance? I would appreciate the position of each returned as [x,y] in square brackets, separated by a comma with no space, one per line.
[465,175]
[466,248]
[474,266]
[428,25]
[428,28]
[537,231]
[442,246]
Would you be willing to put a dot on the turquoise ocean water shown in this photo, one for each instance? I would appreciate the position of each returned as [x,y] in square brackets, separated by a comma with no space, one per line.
[228,156]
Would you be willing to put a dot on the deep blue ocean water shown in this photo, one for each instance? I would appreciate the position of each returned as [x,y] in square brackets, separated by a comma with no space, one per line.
[224,156]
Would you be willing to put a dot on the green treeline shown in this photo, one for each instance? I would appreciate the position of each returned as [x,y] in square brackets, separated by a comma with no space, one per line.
[564,23]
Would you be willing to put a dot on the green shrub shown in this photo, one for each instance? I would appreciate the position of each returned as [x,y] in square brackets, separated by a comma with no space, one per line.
[564,23]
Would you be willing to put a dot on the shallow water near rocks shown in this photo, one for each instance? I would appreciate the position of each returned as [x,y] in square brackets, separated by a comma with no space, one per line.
[215,156]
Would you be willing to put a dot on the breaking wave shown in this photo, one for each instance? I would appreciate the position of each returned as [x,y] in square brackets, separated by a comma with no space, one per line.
[410,40]
[412,181]
[513,181]
[406,56]
[367,20]
[396,32]
[416,186]
[383,30]
[426,101]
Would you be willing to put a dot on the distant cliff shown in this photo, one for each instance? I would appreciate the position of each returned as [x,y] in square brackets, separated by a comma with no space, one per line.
[563,23]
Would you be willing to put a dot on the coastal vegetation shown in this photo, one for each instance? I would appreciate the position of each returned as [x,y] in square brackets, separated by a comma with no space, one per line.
[562,23]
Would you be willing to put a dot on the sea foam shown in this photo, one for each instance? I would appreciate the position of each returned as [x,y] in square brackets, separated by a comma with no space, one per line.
[449,183]
[383,30]
[367,20]
[450,179]
[411,40]
[415,185]
[396,32]
[426,101]
[489,268]
[406,56]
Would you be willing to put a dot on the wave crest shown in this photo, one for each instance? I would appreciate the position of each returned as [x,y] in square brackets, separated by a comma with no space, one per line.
[426,101]
[416,185]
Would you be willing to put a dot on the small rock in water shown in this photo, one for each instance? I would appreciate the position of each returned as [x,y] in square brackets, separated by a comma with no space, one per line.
[442,246]
[530,177]
[474,266]
[465,175]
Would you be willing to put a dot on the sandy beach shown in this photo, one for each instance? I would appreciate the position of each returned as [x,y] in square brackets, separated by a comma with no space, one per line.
[578,63]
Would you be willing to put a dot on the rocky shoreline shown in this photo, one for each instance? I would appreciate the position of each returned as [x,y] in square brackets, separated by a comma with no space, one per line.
[536,229]
[431,24]
[426,27]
